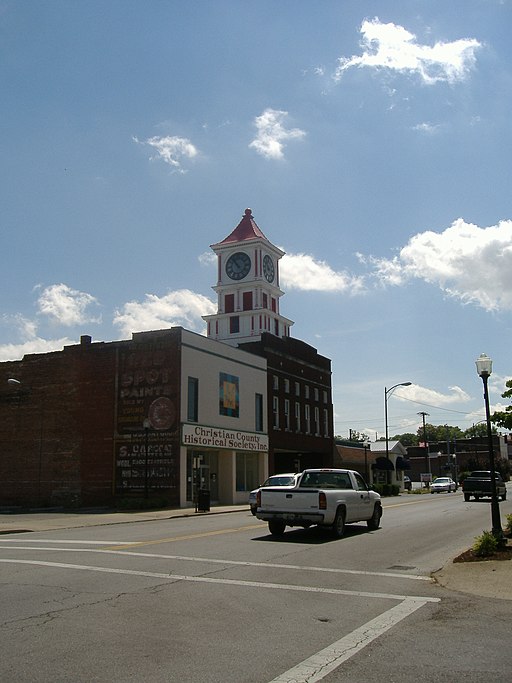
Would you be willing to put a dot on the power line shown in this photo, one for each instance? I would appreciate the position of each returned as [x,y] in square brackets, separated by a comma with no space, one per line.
[429,405]
[420,403]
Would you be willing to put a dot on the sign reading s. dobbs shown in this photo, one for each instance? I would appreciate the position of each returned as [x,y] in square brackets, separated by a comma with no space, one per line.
[231,439]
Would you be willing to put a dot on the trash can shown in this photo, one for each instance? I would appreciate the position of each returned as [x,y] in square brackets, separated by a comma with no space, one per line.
[203,500]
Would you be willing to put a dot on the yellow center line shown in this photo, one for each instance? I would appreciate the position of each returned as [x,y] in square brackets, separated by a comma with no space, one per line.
[188,537]
[206,534]
[411,502]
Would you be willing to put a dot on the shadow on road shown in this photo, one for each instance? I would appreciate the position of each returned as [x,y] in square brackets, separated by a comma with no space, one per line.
[313,536]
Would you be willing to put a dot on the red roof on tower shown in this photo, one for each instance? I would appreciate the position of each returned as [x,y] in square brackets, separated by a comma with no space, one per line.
[245,230]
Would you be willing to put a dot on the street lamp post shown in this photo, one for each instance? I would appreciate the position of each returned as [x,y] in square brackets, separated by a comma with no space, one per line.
[146,424]
[484,369]
[425,446]
[455,473]
[365,444]
[387,393]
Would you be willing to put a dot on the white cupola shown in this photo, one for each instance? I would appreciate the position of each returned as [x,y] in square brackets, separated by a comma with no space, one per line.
[247,288]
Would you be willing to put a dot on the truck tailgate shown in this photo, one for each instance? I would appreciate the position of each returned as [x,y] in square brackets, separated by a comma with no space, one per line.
[293,500]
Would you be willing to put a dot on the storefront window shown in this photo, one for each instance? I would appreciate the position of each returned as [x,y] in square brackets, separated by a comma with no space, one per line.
[193,399]
[246,471]
[259,412]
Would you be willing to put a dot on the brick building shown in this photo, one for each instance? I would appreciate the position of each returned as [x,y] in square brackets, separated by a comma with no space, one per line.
[77,424]
[371,462]
[169,410]
[444,458]
[299,399]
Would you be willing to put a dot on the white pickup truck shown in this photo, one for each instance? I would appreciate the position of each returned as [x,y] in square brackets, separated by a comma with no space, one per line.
[326,497]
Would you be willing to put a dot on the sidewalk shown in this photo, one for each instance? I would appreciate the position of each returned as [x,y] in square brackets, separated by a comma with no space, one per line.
[40,520]
[488,579]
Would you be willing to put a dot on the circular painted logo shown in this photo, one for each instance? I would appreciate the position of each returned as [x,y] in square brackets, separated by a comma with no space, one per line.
[162,413]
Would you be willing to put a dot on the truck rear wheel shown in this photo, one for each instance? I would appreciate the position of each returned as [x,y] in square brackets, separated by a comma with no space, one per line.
[338,528]
[466,497]
[276,527]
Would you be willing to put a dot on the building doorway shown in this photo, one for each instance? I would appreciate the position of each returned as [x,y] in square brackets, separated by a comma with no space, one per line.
[202,473]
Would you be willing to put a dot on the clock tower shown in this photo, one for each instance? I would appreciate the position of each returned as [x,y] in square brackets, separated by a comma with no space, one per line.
[247,287]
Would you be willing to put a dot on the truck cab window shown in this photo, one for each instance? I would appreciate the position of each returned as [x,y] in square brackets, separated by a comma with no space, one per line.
[361,484]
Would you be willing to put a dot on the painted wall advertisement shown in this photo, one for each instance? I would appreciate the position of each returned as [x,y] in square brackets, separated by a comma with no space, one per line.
[147,453]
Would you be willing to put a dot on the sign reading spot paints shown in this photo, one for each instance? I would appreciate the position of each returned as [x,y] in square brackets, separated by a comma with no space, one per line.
[231,439]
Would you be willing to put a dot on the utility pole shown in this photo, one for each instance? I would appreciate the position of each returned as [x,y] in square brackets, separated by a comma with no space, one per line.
[425,444]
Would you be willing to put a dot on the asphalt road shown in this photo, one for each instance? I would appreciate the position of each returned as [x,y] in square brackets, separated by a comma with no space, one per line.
[215,598]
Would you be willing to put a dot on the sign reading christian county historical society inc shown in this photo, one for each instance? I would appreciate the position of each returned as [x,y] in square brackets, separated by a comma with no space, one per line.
[230,439]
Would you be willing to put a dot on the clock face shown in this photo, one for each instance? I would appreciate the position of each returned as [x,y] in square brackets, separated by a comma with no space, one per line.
[268,268]
[238,265]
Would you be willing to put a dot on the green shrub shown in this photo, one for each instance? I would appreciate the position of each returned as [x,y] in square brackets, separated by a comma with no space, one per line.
[508,527]
[462,475]
[485,545]
[387,489]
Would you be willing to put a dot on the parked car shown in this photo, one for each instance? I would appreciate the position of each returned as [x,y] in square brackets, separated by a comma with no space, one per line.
[443,484]
[479,485]
[287,479]
[407,483]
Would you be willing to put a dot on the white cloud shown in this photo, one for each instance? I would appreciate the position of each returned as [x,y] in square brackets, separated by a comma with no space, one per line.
[498,382]
[303,272]
[66,306]
[427,128]
[30,342]
[179,308]
[390,46]
[467,262]
[207,258]
[9,352]
[478,416]
[172,150]
[27,329]
[272,133]
[431,397]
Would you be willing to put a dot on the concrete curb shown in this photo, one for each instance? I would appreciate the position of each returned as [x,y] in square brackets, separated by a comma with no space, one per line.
[487,579]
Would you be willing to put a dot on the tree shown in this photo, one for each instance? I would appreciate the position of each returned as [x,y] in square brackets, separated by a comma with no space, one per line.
[480,429]
[503,467]
[354,435]
[503,418]
[406,439]
[440,433]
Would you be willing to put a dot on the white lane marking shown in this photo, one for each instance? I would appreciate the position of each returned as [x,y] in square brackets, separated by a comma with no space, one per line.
[227,582]
[319,665]
[238,563]
[52,540]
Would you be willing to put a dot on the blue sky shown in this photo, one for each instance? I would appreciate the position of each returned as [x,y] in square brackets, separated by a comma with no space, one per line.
[370,139]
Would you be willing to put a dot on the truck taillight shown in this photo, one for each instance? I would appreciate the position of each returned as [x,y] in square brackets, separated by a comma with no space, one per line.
[258,499]
[322,501]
